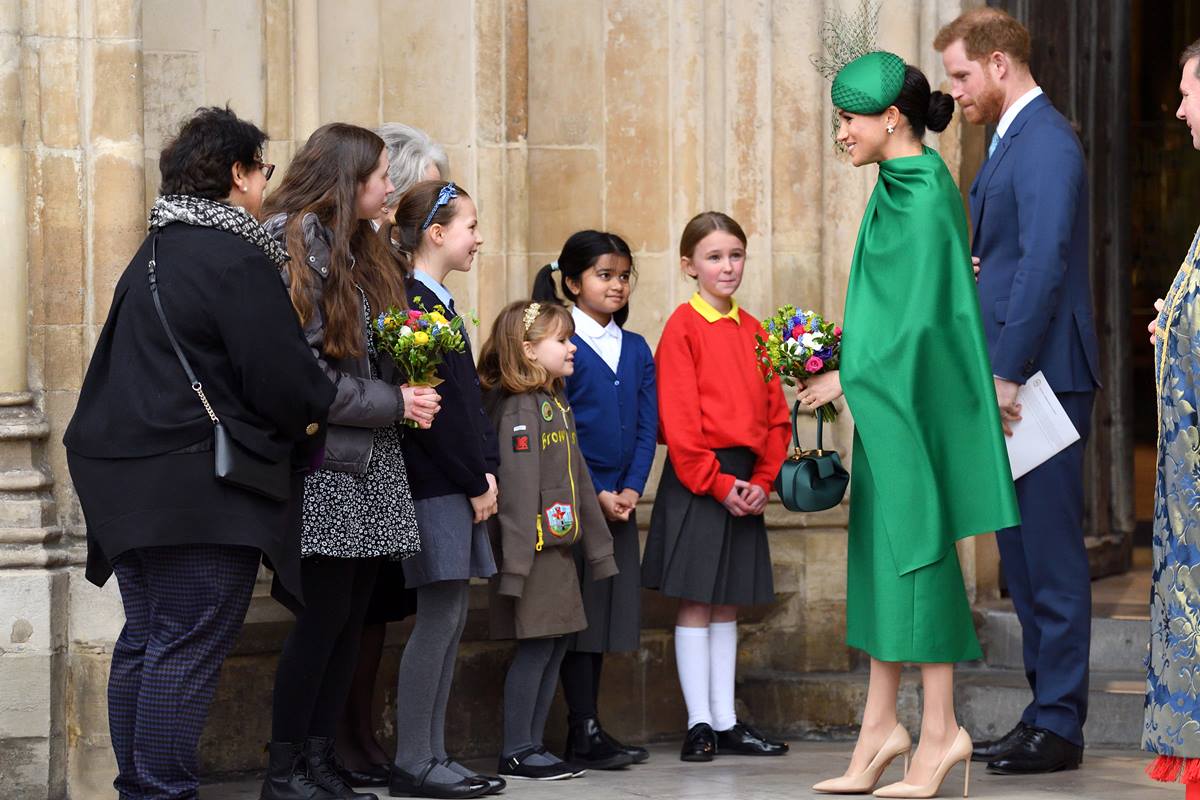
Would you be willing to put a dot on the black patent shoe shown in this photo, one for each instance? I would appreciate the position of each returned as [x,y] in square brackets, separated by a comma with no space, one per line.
[587,746]
[287,775]
[515,767]
[700,744]
[376,775]
[1037,751]
[994,748]
[408,784]
[321,762]
[638,754]
[742,740]
[494,785]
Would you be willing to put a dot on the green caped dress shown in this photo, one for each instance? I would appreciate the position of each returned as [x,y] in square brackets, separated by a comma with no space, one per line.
[930,465]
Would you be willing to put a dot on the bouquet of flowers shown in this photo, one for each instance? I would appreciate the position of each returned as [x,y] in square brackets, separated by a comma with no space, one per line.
[799,345]
[417,340]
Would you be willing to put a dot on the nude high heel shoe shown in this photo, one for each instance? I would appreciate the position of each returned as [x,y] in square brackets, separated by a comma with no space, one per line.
[897,743]
[960,750]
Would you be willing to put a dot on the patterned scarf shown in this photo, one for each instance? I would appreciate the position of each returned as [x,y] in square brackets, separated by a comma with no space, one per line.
[215,214]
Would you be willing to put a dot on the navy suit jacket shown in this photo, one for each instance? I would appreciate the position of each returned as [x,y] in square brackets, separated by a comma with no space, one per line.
[1029,214]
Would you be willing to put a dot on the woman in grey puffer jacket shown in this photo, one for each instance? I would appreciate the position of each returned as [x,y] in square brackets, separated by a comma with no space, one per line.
[357,507]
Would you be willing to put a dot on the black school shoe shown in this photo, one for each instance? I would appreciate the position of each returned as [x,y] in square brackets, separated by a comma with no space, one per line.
[407,784]
[376,775]
[587,746]
[638,754]
[700,744]
[742,740]
[495,785]
[514,767]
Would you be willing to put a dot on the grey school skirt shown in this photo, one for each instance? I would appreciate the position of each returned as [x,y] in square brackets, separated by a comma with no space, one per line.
[453,547]
[698,551]
[613,605]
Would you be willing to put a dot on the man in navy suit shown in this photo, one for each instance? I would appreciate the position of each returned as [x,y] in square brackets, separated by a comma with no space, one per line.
[1029,215]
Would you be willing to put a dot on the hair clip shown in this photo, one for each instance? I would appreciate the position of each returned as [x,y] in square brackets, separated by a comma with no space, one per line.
[447,193]
[554,266]
[531,312]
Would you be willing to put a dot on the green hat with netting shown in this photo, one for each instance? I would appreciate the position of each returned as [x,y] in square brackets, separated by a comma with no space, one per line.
[869,83]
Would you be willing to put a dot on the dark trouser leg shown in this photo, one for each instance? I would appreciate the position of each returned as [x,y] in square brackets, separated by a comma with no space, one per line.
[335,592]
[1056,592]
[125,674]
[356,729]
[579,685]
[199,596]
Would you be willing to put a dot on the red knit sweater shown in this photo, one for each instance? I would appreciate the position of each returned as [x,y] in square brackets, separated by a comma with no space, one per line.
[711,394]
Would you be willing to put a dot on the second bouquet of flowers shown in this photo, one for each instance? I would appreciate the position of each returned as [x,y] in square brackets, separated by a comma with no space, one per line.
[417,340]
[799,345]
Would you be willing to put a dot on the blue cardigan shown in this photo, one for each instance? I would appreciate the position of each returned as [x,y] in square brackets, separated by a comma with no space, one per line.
[616,416]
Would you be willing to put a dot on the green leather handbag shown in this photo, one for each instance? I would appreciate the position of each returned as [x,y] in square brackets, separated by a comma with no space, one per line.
[811,480]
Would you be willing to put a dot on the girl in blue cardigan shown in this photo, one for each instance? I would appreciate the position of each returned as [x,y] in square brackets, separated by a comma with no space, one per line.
[612,393]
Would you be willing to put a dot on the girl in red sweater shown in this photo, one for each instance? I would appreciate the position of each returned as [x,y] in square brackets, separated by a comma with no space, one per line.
[726,431]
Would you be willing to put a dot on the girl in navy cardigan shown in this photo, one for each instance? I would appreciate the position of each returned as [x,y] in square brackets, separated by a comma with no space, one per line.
[613,396]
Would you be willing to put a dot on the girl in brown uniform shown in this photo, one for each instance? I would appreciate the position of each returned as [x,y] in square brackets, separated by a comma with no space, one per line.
[547,504]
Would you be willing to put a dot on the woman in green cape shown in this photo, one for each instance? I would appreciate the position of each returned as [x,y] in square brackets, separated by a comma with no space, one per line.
[930,465]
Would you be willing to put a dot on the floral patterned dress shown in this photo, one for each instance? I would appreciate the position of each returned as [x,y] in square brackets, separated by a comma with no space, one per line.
[1172,723]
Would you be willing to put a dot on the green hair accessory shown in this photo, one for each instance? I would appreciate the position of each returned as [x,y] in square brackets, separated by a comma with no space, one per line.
[869,83]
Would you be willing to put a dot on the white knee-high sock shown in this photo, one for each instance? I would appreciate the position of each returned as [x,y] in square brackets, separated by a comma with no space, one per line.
[692,661]
[722,650]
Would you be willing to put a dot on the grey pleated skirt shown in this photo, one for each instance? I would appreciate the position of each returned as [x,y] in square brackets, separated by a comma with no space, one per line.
[698,551]
[453,547]
[613,605]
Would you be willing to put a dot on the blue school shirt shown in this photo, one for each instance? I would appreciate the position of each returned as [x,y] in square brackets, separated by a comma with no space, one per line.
[616,414]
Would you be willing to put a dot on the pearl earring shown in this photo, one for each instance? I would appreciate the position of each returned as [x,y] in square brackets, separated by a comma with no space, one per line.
[891,129]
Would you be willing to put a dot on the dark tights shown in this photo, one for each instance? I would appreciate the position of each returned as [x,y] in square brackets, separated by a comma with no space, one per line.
[319,655]
[580,675]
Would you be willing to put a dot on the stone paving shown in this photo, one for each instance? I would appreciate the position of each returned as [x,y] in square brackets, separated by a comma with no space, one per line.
[1107,775]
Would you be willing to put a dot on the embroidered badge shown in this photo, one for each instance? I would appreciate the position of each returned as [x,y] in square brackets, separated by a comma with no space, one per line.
[518,428]
[521,443]
[561,518]
[547,411]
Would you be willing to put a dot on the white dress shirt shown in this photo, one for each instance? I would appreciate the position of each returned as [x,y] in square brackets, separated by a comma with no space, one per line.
[606,340]
[1016,108]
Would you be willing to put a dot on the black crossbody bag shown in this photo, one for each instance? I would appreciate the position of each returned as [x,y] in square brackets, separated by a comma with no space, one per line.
[233,464]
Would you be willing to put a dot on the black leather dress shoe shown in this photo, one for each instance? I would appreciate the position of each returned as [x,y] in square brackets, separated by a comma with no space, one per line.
[406,784]
[994,748]
[700,744]
[1037,751]
[638,754]
[587,746]
[495,785]
[374,775]
[743,740]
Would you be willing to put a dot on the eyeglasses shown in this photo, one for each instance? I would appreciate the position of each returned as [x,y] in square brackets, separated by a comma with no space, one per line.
[267,170]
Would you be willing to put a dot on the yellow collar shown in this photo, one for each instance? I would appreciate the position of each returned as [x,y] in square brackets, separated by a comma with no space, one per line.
[710,314]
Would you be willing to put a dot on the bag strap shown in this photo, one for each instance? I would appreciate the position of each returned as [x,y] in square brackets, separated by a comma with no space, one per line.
[197,387]
[796,429]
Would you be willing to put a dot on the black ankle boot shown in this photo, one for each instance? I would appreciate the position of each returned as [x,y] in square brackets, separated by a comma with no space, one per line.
[287,775]
[588,747]
[322,769]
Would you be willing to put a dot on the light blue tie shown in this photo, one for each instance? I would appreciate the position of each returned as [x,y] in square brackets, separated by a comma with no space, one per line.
[995,143]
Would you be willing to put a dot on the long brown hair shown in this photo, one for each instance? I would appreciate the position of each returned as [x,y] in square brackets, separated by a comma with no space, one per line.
[502,361]
[323,179]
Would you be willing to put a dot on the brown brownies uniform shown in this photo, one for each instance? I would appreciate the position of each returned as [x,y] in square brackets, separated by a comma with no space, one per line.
[547,506]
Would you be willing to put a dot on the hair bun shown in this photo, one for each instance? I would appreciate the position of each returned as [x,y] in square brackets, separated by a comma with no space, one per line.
[941,110]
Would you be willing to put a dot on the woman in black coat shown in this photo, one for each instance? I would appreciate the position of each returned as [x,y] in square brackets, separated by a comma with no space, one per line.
[185,546]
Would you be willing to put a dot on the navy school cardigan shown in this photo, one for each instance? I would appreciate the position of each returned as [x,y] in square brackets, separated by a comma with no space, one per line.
[455,454]
[616,415]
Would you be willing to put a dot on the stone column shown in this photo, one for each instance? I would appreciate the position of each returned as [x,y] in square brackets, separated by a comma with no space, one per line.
[71,206]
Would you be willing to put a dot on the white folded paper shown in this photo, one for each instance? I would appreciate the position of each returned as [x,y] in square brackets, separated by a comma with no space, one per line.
[1043,431]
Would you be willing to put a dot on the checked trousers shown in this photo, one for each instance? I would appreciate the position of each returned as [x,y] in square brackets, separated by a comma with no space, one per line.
[184,607]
